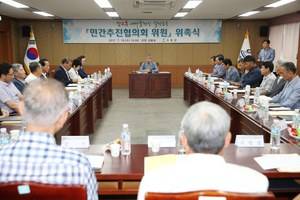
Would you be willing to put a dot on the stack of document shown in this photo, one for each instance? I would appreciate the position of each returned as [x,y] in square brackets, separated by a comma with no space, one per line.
[96,161]
[281,162]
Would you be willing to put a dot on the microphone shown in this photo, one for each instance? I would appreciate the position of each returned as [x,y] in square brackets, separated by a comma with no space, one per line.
[256,53]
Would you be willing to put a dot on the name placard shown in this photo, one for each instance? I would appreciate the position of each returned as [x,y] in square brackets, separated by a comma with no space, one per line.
[282,125]
[79,142]
[249,141]
[165,140]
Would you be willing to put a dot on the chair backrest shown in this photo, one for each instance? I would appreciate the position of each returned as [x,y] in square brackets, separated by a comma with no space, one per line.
[157,64]
[40,191]
[211,193]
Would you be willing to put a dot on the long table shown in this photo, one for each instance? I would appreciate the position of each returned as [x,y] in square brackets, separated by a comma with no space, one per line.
[81,121]
[121,176]
[241,123]
[149,85]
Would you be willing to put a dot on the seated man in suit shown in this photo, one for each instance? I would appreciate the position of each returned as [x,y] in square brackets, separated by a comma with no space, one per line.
[290,95]
[232,74]
[268,79]
[206,135]
[253,77]
[81,72]
[279,81]
[148,65]
[62,74]
[36,156]
[214,64]
[245,71]
[221,72]
[36,72]
[20,75]
[10,96]
[45,68]
[267,53]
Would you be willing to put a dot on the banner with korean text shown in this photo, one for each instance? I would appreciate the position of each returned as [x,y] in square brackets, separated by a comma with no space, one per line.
[142,31]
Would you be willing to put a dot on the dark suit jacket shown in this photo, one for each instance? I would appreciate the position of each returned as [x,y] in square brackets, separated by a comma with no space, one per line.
[19,85]
[61,75]
[253,78]
[82,73]
[277,88]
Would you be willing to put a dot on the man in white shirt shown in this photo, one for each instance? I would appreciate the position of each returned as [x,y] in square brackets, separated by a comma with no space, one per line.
[45,68]
[36,72]
[206,134]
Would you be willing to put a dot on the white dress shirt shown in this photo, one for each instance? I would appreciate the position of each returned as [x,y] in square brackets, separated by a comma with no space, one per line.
[30,78]
[203,172]
[73,74]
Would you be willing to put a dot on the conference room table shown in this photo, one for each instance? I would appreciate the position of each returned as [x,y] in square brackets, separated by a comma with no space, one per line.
[120,176]
[149,85]
[242,123]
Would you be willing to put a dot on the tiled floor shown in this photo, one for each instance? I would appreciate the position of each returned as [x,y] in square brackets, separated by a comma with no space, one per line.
[144,116]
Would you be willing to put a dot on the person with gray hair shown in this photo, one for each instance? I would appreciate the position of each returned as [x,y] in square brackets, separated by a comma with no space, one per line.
[279,81]
[206,135]
[62,72]
[36,72]
[36,156]
[20,75]
[148,65]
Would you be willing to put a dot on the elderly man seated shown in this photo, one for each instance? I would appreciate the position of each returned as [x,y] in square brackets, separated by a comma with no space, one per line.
[148,65]
[206,135]
[36,156]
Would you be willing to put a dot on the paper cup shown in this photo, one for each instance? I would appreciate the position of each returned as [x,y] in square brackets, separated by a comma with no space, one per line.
[155,144]
[115,150]
[235,91]
[15,133]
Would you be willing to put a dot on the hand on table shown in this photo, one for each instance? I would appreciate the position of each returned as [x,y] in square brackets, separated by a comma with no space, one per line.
[5,113]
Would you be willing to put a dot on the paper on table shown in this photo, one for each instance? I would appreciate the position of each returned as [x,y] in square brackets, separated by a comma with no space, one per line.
[164,72]
[275,113]
[96,161]
[282,162]
[280,108]
[71,88]
[154,162]
[250,97]
[72,85]
[238,91]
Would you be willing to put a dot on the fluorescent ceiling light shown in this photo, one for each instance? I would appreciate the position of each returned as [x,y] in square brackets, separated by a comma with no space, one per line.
[14,4]
[103,3]
[192,4]
[181,14]
[112,14]
[279,3]
[249,13]
[43,13]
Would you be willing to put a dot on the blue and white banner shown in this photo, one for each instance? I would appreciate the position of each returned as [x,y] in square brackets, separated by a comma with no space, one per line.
[142,31]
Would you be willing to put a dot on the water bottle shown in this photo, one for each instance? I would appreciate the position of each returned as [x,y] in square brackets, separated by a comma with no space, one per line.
[256,95]
[23,124]
[125,140]
[265,110]
[189,70]
[179,143]
[79,94]
[108,71]
[247,93]
[95,77]
[275,135]
[296,119]
[99,76]
[4,137]
[71,102]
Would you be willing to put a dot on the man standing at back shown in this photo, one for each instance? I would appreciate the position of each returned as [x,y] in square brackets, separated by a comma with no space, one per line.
[253,77]
[35,156]
[206,135]
[267,53]
[62,72]
[148,65]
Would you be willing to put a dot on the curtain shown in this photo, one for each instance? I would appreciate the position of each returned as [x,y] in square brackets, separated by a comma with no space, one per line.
[284,39]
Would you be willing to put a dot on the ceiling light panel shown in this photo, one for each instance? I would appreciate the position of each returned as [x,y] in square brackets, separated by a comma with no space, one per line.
[14,4]
[181,14]
[103,3]
[279,3]
[112,14]
[249,13]
[43,13]
[192,4]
